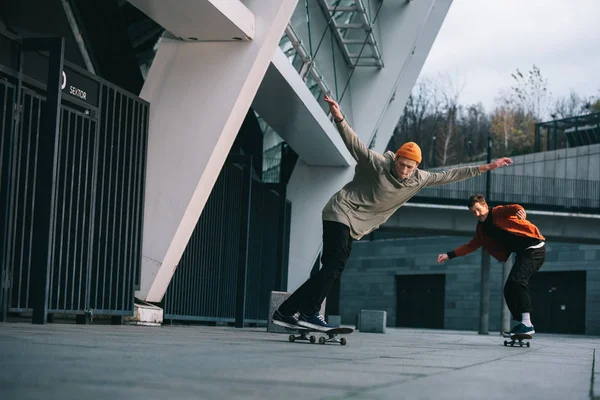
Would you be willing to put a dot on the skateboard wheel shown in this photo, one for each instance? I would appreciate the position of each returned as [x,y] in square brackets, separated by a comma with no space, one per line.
[520,344]
[343,341]
[505,343]
[322,340]
[313,339]
[527,344]
[292,338]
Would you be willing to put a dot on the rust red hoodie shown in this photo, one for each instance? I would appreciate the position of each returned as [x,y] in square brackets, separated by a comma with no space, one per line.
[504,217]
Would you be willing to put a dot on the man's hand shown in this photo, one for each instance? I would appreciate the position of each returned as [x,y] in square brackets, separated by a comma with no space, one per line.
[334,109]
[521,214]
[442,258]
[501,162]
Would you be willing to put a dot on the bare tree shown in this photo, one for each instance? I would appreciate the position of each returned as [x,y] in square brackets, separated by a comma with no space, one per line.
[475,124]
[449,148]
[419,119]
[530,93]
[569,106]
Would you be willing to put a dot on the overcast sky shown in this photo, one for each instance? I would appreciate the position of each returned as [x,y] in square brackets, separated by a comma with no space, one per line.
[482,42]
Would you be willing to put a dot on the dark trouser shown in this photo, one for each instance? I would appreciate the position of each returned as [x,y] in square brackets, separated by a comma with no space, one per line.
[337,244]
[516,289]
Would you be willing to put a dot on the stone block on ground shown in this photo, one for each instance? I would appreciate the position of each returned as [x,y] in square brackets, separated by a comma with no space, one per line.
[334,320]
[372,321]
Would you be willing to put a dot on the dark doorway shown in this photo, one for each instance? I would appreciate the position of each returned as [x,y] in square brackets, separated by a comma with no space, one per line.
[558,302]
[420,301]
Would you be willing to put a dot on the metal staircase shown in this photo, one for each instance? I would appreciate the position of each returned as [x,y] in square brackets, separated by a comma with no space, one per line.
[354,26]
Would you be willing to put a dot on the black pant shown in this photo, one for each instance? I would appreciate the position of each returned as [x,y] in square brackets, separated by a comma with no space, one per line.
[516,289]
[337,244]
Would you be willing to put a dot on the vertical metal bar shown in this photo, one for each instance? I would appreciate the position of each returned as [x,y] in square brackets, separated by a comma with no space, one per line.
[6,147]
[484,303]
[77,242]
[55,211]
[334,68]
[83,273]
[105,187]
[13,183]
[46,178]
[24,159]
[280,237]
[111,210]
[128,257]
[116,211]
[141,193]
[136,133]
[244,235]
[92,217]
[36,152]
[121,266]
[308,25]
[69,217]
[67,152]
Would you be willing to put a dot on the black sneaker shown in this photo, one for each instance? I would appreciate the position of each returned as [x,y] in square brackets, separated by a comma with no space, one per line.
[315,321]
[522,329]
[284,320]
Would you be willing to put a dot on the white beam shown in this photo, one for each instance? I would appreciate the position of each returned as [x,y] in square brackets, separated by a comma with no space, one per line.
[201,20]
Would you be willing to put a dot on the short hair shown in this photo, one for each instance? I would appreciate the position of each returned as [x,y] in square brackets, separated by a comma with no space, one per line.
[476,198]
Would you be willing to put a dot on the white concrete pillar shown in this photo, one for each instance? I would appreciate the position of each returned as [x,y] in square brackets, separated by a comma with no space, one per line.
[199,94]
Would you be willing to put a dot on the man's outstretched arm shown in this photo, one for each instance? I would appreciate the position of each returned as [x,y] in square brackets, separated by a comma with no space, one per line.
[357,148]
[462,173]
[463,250]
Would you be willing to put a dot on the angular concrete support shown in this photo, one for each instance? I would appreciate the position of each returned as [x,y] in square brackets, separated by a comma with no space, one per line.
[201,20]
[312,136]
[199,95]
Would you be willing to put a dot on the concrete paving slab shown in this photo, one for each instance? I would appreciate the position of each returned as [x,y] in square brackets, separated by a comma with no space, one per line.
[180,362]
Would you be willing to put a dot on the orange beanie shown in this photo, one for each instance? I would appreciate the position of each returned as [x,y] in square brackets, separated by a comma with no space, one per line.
[410,150]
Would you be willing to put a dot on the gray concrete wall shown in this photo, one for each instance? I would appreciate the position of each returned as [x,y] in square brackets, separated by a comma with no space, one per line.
[369,281]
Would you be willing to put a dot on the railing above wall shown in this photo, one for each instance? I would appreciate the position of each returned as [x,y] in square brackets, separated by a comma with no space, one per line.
[574,195]
[577,131]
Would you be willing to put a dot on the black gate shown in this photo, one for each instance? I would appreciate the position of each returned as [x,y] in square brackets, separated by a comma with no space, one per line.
[95,239]
[421,301]
[244,226]
[558,301]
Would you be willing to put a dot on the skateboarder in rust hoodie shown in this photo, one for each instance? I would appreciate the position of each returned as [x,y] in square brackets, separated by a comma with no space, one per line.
[501,231]
[381,184]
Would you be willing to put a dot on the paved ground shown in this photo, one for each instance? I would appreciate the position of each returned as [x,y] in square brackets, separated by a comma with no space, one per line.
[59,361]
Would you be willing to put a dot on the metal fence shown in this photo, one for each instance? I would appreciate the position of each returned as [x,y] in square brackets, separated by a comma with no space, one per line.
[95,238]
[115,259]
[546,193]
[206,284]
[8,93]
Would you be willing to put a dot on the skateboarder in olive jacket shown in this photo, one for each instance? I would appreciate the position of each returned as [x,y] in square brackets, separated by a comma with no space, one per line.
[382,183]
[501,231]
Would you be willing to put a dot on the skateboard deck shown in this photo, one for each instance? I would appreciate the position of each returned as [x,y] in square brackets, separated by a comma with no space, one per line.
[304,333]
[518,340]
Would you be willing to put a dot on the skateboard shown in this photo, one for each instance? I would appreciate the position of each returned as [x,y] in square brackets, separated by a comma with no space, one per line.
[332,333]
[518,339]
